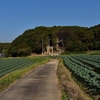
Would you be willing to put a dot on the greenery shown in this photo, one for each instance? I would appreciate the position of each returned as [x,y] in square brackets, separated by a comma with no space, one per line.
[96,52]
[4,47]
[70,90]
[74,39]
[86,70]
[11,64]
[10,78]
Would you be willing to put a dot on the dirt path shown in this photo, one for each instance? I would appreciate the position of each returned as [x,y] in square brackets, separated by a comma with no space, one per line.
[40,84]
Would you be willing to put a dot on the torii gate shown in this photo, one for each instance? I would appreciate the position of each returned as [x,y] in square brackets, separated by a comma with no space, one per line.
[49,49]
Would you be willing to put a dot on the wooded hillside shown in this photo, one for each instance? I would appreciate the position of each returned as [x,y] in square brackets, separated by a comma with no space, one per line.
[75,39]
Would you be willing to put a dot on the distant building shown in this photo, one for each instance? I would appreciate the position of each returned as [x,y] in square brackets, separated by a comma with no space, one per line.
[2,55]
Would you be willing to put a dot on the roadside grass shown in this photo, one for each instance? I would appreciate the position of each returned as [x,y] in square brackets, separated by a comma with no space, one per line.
[12,77]
[70,90]
[93,52]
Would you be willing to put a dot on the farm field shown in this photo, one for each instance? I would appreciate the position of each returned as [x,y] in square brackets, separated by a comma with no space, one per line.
[86,69]
[12,69]
[11,64]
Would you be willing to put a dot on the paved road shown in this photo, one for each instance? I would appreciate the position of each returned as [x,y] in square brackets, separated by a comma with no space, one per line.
[40,84]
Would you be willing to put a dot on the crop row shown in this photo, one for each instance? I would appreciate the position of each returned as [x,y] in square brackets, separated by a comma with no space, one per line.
[9,65]
[92,63]
[85,72]
[93,58]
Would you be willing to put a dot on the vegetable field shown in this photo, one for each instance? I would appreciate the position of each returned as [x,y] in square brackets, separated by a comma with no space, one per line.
[11,64]
[86,68]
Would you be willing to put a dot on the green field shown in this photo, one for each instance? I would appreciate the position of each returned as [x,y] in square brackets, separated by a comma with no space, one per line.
[12,69]
[12,64]
[9,65]
[86,69]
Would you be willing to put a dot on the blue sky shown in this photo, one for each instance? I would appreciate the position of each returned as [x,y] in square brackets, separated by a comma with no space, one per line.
[16,16]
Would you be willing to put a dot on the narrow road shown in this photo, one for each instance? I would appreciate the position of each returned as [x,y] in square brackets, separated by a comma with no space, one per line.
[40,84]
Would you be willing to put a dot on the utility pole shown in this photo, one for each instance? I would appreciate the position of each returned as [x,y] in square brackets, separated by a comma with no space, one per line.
[3,52]
[63,44]
[42,47]
[48,39]
[49,42]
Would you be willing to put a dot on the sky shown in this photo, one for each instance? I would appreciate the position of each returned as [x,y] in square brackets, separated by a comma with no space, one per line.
[16,16]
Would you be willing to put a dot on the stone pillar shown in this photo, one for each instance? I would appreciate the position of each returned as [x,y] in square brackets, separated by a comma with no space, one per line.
[48,49]
[57,47]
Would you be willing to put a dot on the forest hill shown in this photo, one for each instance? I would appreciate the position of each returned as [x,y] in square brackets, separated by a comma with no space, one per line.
[75,39]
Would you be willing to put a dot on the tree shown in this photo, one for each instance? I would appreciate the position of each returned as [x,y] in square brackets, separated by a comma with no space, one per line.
[24,50]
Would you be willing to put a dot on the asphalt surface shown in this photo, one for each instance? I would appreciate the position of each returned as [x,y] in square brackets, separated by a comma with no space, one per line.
[40,84]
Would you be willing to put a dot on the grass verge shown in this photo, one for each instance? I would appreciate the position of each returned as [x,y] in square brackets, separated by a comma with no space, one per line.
[12,77]
[70,90]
